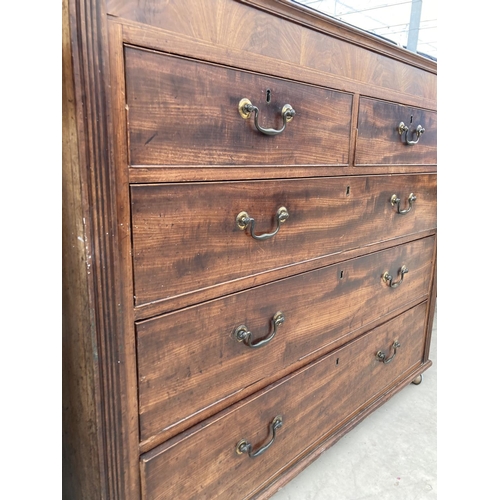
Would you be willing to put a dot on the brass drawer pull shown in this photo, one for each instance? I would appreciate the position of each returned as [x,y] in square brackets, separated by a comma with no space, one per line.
[245,447]
[382,356]
[245,107]
[388,278]
[397,201]
[404,128]
[244,220]
[243,334]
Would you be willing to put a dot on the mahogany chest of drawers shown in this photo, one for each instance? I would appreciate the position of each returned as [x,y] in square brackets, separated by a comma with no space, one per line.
[249,241]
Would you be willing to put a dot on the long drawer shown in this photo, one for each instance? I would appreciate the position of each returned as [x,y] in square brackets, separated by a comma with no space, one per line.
[311,403]
[193,358]
[186,112]
[188,237]
[391,134]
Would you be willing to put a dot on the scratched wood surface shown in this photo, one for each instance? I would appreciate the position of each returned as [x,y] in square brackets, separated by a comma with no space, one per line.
[183,112]
[203,464]
[80,433]
[185,236]
[100,378]
[189,359]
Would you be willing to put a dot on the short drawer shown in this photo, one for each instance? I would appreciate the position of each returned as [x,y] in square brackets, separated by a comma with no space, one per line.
[192,358]
[312,403]
[381,140]
[186,112]
[187,237]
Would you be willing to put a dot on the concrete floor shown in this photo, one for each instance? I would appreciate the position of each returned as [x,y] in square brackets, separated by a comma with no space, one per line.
[390,455]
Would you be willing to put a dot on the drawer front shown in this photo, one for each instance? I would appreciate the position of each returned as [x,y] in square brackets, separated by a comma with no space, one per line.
[186,236]
[185,112]
[312,402]
[380,142]
[189,359]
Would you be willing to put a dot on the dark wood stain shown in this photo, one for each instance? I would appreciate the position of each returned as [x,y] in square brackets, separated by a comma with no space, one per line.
[198,243]
[193,110]
[313,402]
[320,309]
[157,163]
[379,142]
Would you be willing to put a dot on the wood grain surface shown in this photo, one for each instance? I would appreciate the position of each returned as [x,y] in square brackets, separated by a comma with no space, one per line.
[183,112]
[80,433]
[379,142]
[185,236]
[157,163]
[307,42]
[313,402]
[190,365]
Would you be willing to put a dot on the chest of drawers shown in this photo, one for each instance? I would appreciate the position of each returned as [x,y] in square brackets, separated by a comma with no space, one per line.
[249,241]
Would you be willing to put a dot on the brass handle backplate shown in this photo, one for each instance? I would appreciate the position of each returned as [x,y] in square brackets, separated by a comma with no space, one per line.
[244,446]
[381,356]
[243,220]
[246,108]
[388,278]
[402,128]
[395,200]
[243,334]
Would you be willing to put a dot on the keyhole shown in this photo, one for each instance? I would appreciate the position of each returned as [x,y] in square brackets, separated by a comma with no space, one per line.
[341,274]
[411,119]
[348,190]
[337,362]
[268,96]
